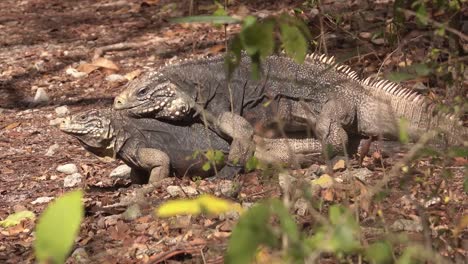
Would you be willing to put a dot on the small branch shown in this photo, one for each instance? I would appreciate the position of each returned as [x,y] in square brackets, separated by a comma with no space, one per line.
[437,24]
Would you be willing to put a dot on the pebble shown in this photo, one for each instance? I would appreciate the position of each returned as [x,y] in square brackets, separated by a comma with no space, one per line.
[406,225]
[41,200]
[189,190]
[72,180]
[69,168]
[116,78]
[62,111]
[41,96]
[177,191]
[285,179]
[75,73]
[51,150]
[365,35]
[301,206]
[56,121]
[378,41]
[80,256]
[173,190]
[122,171]
[226,187]
[132,212]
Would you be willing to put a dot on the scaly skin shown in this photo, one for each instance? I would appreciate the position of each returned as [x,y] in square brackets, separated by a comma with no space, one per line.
[319,95]
[150,147]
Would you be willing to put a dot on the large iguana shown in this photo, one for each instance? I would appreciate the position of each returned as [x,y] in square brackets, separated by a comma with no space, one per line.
[320,94]
[152,148]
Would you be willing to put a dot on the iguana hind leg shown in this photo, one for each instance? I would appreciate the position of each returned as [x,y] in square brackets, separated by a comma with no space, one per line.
[241,132]
[156,162]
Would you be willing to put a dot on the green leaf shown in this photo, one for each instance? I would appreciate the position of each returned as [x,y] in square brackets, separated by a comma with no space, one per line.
[16,218]
[287,223]
[380,252]
[294,42]
[421,14]
[257,37]
[251,164]
[207,19]
[399,76]
[403,131]
[206,166]
[57,228]
[250,232]
[233,56]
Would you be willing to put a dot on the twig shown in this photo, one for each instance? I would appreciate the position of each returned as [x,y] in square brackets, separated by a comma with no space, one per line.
[437,24]
[322,31]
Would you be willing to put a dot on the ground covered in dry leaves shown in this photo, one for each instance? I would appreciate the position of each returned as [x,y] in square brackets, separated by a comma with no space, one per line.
[79,54]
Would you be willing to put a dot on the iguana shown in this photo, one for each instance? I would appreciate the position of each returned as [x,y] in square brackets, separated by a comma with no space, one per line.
[319,94]
[152,148]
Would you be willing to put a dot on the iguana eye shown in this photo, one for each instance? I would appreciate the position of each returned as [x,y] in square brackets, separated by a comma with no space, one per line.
[142,91]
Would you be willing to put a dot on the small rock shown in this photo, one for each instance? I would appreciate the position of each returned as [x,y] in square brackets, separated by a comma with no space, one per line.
[75,73]
[72,180]
[285,179]
[406,225]
[325,181]
[339,165]
[51,150]
[80,255]
[132,212]
[56,121]
[41,200]
[116,78]
[41,96]
[226,187]
[301,206]
[247,205]
[62,111]
[365,35]
[378,41]
[362,174]
[122,171]
[69,168]
[432,201]
[189,190]
[174,191]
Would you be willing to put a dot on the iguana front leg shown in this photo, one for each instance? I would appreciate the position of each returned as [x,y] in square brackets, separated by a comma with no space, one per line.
[334,116]
[156,162]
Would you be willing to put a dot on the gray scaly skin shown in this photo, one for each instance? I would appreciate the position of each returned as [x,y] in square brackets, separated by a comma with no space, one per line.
[320,94]
[152,148]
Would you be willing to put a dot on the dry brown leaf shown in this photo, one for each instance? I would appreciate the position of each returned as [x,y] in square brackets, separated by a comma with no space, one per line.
[87,68]
[105,63]
[132,75]
[339,165]
[328,194]
[12,125]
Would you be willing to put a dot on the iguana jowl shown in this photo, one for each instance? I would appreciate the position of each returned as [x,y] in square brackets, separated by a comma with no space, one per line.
[152,148]
[321,93]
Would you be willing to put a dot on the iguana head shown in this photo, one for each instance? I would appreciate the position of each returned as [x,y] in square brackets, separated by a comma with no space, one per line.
[153,95]
[93,129]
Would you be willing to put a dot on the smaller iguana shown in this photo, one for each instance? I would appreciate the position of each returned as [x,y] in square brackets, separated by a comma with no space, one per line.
[152,148]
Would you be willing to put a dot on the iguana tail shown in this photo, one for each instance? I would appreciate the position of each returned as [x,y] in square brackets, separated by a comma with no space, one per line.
[422,115]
